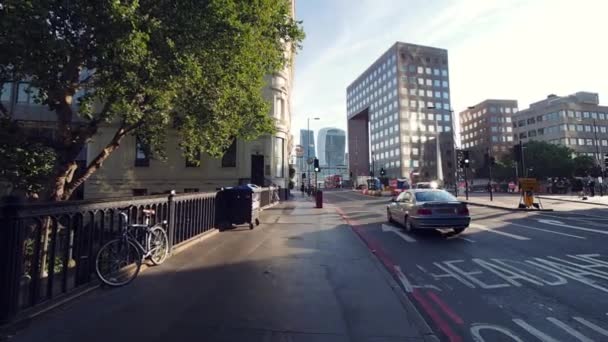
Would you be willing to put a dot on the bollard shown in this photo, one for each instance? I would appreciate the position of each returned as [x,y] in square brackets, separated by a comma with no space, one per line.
[319,198]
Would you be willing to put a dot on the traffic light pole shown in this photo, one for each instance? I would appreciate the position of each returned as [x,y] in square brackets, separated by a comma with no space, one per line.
[490,183]
[466,184]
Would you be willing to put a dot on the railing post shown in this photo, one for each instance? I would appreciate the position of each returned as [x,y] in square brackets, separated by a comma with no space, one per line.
[171,219]
[11,258]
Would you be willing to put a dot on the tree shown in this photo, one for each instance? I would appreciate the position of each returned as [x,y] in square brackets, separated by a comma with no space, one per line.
[586,166]
[548,160]
[144,66]
[25,166]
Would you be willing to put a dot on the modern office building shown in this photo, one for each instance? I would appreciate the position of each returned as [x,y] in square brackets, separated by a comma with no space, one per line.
[307,141]
[576,121]
[399,115]
[331,147]
[487,128]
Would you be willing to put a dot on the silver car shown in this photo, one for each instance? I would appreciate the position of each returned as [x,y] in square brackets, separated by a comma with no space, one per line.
[428,208]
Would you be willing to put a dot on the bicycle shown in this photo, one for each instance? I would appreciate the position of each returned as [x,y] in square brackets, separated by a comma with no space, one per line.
[119,260]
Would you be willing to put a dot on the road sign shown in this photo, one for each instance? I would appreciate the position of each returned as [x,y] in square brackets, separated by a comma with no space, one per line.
[528,184]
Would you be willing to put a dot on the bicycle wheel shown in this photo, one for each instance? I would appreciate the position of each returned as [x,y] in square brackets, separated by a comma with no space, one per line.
[159,245]
[118,262]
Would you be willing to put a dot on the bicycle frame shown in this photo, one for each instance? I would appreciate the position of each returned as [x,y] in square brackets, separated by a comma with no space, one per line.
[146,250]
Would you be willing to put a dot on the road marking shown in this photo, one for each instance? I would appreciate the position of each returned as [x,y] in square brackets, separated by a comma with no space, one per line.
[387,228]
[466,239]
[437,319]
[533,331]
[513,236]
[403,279]
[561,224]
[448,311]
[569,330]
[477,327]
[546,230]
[591,325]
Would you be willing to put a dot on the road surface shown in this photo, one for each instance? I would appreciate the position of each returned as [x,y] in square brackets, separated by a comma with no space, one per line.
[512,276]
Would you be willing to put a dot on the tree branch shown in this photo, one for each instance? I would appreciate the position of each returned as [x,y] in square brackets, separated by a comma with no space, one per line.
[97,162]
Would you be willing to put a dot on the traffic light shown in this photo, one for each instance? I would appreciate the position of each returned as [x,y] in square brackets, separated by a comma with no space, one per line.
[465,158]
[460,158]
[382,172]
[304,175]
[351,174]
[606,160]
[316,165]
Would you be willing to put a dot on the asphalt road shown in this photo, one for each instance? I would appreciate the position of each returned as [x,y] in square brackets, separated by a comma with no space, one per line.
[512,276]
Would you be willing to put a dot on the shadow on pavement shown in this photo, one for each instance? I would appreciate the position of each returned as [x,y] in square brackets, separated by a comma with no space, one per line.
[273,283]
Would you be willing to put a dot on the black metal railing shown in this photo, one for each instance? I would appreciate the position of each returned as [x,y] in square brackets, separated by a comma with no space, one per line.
[48,250]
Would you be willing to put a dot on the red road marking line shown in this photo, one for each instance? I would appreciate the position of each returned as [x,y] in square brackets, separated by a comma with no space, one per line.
[439,322]
[448,311]
[390,266]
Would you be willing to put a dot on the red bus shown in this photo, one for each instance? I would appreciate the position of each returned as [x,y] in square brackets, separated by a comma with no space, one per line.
[333,181]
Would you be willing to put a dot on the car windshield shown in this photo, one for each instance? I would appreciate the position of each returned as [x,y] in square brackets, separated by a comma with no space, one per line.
[434,196]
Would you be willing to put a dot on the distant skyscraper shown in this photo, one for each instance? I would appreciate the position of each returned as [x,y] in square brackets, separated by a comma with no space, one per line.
[399,114]
[332,146]
[307,140]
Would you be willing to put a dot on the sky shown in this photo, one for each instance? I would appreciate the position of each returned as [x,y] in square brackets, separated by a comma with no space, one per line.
[500,49]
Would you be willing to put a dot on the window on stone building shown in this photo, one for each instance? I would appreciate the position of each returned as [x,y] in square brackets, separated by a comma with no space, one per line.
[229,158]
[142,154]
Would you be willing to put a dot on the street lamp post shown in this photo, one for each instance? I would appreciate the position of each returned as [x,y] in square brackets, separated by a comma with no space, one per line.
[598,151]
[308,151]
[454,147]
[373,166]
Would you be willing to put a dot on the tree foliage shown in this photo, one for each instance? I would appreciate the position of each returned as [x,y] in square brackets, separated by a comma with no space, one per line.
[146,66]
[545,160]
[586,166]
[25,166]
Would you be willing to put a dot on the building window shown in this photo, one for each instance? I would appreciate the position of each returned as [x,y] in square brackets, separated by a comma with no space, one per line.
[6,91]
[279,157]
[229,157]
[196,162]
[142,154]
[23,93]
[140,192]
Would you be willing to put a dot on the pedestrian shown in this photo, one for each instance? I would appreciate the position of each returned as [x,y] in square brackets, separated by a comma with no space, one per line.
[592,187]
[302,188]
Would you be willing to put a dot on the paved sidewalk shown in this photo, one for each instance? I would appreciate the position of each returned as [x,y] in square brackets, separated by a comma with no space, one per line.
[502,200]
[302,275]
[595,200]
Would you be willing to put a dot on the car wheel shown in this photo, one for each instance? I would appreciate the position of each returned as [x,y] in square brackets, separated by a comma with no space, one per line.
[389,218]
[409,227]
[459,230]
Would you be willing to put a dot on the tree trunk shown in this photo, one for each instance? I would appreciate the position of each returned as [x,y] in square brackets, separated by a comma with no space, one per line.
[97,162]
